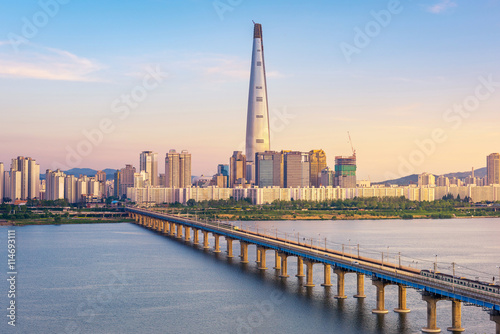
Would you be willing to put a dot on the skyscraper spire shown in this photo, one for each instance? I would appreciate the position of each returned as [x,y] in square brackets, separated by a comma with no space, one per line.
[257,136]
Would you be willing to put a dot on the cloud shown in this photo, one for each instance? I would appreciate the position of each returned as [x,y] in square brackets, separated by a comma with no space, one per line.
[441,6]
[39,62]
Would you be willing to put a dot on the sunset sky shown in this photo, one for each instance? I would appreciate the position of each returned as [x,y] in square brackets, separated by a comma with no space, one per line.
[416,83]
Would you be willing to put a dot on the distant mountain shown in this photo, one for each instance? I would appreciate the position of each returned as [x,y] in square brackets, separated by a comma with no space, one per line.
[413,179]
[88,172]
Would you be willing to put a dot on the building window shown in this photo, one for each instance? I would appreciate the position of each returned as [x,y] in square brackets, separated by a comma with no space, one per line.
[259,63]
[259,99]
[260,141]
[260,116]
[258,87]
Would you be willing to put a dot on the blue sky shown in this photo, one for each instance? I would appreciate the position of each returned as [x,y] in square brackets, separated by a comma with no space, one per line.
[60,81]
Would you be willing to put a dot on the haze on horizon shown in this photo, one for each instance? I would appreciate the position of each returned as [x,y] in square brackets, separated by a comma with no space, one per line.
[416,83]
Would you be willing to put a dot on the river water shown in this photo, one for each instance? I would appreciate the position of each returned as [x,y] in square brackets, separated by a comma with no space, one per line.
[123,278]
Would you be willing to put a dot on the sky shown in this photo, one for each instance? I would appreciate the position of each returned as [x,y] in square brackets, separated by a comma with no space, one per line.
[94,83]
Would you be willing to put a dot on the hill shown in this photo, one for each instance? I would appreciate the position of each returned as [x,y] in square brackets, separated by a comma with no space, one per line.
[413,178]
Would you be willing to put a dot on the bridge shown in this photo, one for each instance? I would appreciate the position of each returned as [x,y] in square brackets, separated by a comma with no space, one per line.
[381,273]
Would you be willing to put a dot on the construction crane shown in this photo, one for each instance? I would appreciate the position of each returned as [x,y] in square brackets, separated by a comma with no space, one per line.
[350,142]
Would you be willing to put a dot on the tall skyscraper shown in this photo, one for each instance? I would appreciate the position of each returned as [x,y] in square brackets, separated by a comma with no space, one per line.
[317,162]
[237,169]
[116,185]
[327,177]
[493,168]
[257,135]
[178,169]
[345,171]
[149,164]
[126,179]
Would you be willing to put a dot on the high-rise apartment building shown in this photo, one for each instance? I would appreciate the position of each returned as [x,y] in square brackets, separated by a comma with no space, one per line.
[149,164]
[257,134]
[116,184]
[317,162]
[27,184]
[296,169]
[493,168]
[6,184]
[345,171]
[70,189]
[126,179]
[54,185]
[237,169]
[178,169]
[442,181]
[426,179]
[223,170]
[269,169]
[1,182]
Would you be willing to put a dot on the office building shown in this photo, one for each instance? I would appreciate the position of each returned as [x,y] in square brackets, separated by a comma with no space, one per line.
[345,171]
[269,169]
[296,169]
[493,168]
[327,177]
[149,164]
[257,133]
[317,162]
[126,179]
[237,169]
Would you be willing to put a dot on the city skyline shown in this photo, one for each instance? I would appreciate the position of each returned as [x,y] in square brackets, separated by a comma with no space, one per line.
[413,100]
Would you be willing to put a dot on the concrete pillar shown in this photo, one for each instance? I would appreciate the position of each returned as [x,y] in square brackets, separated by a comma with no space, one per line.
[196,240]
[229,243]
[456,316]
[340,283]
[401,300]
[309,265]
[262,263]
[431,314]
[205,240]
[327,274]
[187,233]
[495,317]
[380,297]
[244,252]
[172,229]
[360,278]
[258,255]
[300,267]
[217,246]
[283,265]
[179,231]
[165,227]
[277,261]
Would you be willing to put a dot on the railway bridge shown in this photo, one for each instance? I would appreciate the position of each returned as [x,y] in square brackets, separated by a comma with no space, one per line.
[382,274]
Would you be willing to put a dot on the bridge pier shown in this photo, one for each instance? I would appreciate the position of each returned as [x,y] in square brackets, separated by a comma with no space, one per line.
[217,245]
[380,285]
[431,300]
[309,266]
[283,265]
[277,260]
[179,231]
[257,255]
[187,233]
[244,252]
[402,300]
[205,240]
[495,317]
[327,273]
[262,263]
[340,284]
[360,278]
[300,267]
[456,316]
[229,243]
[172,229]
[196,240]
[165,227]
